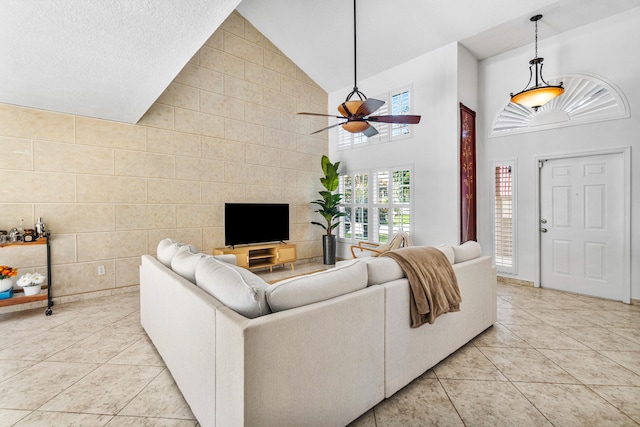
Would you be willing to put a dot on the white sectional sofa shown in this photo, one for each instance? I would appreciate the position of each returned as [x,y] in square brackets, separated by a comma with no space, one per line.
[314,350]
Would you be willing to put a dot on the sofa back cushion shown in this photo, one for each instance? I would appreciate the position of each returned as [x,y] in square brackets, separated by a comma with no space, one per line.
[382,269]
[321,286]
[167,248]
[237,288]
[184,262]
[467,251]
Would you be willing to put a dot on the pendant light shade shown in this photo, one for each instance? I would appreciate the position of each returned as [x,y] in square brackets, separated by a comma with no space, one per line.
[541,92]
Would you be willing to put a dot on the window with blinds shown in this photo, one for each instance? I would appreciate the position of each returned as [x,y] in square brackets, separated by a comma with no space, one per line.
[377,204]
[504,217]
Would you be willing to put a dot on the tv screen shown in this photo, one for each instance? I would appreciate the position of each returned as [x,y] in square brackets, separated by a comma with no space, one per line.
[246,223]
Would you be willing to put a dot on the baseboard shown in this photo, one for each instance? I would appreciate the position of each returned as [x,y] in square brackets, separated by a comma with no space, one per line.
[514,281]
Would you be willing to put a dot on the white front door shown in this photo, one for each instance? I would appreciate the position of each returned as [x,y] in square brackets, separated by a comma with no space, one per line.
[582,216]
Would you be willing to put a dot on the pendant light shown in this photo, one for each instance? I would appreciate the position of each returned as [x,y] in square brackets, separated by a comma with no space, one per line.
[541,92]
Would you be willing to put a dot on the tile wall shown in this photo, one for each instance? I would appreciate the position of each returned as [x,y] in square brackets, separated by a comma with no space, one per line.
[225,130]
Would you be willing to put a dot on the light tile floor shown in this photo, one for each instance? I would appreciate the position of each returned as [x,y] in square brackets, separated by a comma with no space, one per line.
[552,359]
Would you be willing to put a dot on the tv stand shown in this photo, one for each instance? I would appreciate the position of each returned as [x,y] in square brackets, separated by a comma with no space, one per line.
[261,256]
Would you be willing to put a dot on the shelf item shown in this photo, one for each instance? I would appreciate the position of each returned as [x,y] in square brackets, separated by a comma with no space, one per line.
[261,256]
[18,295]
[6,294]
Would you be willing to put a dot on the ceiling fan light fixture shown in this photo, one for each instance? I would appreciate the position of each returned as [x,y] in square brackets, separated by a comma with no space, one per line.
[541,92]
[352,106]
[355,126]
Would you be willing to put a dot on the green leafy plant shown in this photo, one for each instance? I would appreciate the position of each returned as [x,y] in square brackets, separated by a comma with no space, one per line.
[329,205]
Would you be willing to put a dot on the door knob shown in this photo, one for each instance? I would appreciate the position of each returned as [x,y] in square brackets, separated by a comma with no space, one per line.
[543,230]
[543,221]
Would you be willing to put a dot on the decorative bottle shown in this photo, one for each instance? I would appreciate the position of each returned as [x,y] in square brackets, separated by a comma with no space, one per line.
[40,228]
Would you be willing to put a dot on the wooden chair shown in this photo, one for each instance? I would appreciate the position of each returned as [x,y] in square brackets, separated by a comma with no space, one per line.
[376,249]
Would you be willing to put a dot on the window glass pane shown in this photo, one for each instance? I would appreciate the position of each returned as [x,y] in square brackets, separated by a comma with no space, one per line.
[382,215]
[361,223]
[401,220]
[361,183]
[383,187]
[400,105]
[402,186]
[346,223]
[347,191]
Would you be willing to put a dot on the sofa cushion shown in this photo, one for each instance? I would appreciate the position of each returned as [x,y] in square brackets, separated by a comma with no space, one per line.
[237,288]
[167,248]
[382,269]
[449,252]
[467,251]
[228,258]
[184,262]
[321,286]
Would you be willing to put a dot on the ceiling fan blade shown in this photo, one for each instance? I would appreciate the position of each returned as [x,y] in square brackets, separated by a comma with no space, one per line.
[403,119]
[321,115]
[369,106]
[370,131]
[328,127]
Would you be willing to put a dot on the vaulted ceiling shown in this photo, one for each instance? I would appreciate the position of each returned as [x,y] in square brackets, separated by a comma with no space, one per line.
[113,59]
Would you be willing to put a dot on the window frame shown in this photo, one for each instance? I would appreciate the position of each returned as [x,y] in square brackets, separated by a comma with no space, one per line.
[373,204]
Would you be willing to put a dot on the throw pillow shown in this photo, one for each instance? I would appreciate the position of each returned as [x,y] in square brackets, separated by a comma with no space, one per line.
[467,251]
[311,288]
[237,288]
[184,262]
[448,251]
[167,248]
[382,269]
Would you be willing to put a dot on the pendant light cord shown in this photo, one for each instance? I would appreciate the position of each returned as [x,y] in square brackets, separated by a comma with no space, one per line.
[536,22]
[355,50]
[355,90]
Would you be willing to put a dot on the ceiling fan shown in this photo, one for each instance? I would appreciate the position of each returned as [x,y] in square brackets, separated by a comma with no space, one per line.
[357,114]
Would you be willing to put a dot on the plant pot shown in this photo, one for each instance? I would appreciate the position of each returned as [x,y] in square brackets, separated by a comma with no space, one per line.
[5,284]
[31,290]
[329,249]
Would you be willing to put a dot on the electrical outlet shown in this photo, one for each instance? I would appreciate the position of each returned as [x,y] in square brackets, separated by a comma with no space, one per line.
[101,270]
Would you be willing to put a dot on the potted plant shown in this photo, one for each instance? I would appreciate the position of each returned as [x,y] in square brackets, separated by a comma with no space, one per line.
[31,283]
[329,208]
[6,273]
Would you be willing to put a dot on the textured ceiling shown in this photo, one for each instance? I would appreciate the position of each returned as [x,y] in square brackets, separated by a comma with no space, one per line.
[105,59]
[112,59]
[318,35]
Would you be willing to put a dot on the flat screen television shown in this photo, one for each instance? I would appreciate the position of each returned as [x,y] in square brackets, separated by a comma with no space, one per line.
[246,223]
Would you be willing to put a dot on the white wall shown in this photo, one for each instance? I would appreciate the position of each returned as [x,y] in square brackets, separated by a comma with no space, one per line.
[433,149]
[604,49]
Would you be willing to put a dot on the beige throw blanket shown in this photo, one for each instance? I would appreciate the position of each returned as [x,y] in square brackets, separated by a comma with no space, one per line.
[433,284]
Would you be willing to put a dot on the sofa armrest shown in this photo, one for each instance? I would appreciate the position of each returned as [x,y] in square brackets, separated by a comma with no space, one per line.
[177,315]
[412,351]
[316,365]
